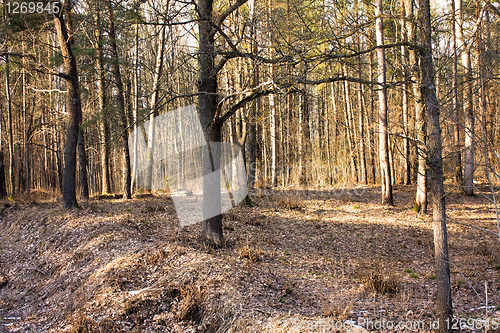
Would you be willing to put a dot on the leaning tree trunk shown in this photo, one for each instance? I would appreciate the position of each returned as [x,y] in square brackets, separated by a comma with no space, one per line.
[120,97]
[435,165]
[73,108]
[385,169]
[207,100]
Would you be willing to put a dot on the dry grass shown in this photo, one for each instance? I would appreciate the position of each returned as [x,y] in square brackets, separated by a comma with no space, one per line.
[126,266]
[380,284]
[249,253]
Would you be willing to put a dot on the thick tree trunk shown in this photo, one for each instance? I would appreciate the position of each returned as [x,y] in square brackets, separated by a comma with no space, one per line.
[207,100]
[73,109]
[385,168]
[120,97]
[435,164]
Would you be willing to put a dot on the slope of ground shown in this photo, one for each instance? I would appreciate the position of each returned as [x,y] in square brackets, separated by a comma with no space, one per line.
[296,262]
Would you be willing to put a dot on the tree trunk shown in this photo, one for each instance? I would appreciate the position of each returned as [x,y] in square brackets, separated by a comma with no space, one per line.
[11,132]
[385,171]
[405,111]
[467,104]
[103,112]
[127,175]
[420,119]
[73,109]
[153,105]
[435,164]
[456,109]
[207,100]
[362,155]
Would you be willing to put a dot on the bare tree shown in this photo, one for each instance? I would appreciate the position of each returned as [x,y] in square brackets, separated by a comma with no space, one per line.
[435,165]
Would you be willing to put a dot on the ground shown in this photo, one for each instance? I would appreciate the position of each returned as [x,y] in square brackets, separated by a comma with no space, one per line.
[296,262]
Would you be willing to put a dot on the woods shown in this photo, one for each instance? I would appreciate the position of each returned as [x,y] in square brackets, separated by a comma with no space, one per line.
[319,95]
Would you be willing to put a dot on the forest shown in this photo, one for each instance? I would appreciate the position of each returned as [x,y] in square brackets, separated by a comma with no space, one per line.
[249,166]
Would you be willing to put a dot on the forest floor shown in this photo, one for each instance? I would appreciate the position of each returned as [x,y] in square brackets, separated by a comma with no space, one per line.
[296,262]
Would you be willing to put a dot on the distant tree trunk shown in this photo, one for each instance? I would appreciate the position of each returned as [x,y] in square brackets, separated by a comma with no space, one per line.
[371,133]
[272,104]
[350,128]
[103,112]
[136,105]
[207,100]
[3,185]
[404,61]
[82,163]
[435,163]
[482,93]
[251,143]
[467,104]
[127,174]
[73,109]
[153,105]
[11,132]
[385,169]
[420,119]
[361,113]
[456,109]
[26,130]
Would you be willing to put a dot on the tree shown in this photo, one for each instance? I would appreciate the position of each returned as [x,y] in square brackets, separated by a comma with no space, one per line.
[420,119]
[385,171]
[435,165]
[467,102]
[73,105]
[120,99]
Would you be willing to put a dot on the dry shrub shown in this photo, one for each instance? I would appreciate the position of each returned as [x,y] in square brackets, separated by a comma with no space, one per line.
[380,284]
[339,312]
[190,307]
[250,253]
[290,203]
[84,324]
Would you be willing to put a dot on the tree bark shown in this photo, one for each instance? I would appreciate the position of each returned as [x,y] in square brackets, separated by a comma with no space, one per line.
[73,109]
[385,168]
[207,85]
[435,164]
